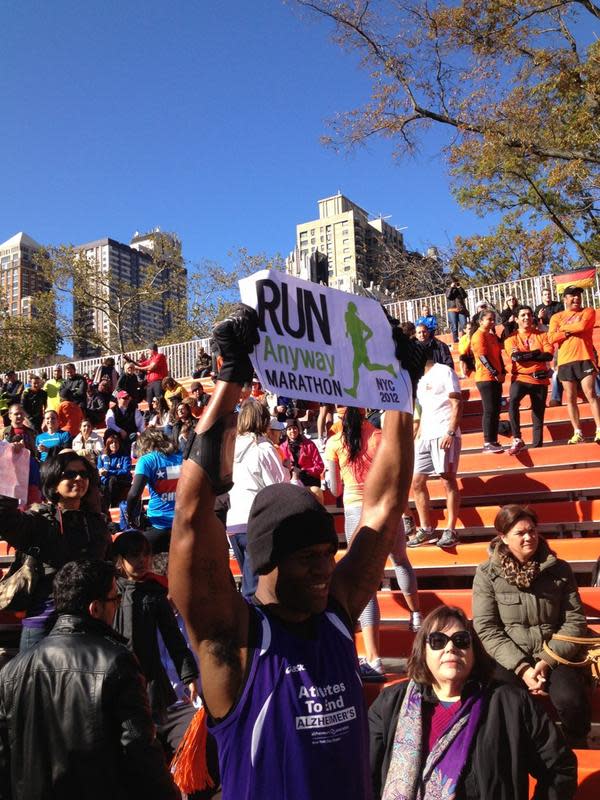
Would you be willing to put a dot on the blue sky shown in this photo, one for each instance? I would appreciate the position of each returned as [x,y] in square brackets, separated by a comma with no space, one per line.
[200,117]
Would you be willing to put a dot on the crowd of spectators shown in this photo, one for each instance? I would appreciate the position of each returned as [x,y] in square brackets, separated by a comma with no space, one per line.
[99,450]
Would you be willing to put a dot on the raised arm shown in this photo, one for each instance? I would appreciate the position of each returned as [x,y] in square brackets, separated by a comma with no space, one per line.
[358,574]
[200,582]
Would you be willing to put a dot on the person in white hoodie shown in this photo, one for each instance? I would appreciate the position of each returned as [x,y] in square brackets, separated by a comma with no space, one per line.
[256,464]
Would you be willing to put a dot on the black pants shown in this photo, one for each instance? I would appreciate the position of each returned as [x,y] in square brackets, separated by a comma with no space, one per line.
[569,690]
[115,489]
[153,389]
[491,395]
[538,396]
[159,538]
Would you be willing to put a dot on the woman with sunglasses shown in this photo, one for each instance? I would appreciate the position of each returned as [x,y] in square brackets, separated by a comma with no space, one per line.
[452,732]
[522,596]
[68,527]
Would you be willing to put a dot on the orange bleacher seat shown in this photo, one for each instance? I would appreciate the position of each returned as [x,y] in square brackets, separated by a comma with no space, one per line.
[464,558]
[393,606]
[558,515]
[521,487]
[553,432]
[584,455]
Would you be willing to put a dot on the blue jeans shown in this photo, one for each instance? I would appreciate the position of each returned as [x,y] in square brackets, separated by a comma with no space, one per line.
[457,321]
[249,579]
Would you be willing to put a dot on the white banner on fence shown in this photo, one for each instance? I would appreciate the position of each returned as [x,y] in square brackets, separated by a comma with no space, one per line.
[323,344]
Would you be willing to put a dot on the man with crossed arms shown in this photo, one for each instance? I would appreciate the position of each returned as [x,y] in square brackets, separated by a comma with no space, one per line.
[530,353]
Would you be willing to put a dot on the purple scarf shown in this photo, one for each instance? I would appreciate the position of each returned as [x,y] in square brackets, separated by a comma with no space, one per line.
[437,779]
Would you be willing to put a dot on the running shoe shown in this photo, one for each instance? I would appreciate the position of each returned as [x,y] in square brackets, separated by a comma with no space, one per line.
[415,621]
[577,438]
[422,536]
[492,447]
[449,538]
[517,446]
[409,524]
[371,673]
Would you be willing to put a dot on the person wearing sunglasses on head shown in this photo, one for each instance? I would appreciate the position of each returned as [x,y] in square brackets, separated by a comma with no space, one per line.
[451,731]
[67,527]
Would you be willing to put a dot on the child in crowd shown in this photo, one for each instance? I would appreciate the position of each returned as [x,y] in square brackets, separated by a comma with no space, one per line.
[144,612]
[114,468]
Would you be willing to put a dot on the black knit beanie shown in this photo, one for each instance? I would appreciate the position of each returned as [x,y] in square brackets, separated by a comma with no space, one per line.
[285,518]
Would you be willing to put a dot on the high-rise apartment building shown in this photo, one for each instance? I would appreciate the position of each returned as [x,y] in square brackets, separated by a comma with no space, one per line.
[173,302]
[352,243]
[20,278]
[118,268]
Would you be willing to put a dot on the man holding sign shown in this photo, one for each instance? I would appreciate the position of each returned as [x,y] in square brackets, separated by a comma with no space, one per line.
[279,675]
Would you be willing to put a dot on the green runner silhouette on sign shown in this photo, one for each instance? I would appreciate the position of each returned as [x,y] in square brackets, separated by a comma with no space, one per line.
[360,333]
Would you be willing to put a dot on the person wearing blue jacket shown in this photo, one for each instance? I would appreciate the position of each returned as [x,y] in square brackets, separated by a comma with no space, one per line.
[428,319]
[114,468]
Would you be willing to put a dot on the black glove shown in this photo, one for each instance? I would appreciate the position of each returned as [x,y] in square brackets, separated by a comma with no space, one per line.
[235,337]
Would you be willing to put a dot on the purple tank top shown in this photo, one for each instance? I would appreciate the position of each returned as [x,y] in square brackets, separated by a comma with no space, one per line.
[299,730]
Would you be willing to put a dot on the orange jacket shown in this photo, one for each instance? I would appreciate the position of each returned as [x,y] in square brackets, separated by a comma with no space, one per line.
[487,344]
[578,345]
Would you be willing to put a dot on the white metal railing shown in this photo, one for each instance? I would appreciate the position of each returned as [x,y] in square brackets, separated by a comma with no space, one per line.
[527,290]
[181,357]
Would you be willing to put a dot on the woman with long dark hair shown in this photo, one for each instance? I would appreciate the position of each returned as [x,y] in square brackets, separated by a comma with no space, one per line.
[349,455]
[66,528]
[183,426]
[489,377]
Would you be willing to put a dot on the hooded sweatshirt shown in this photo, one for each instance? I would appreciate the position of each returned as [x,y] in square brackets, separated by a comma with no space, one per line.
[256,464]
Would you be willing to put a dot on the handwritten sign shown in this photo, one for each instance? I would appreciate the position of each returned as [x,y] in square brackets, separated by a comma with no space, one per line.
[323,344]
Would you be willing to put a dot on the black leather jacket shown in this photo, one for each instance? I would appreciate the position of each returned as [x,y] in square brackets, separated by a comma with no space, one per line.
[75,721]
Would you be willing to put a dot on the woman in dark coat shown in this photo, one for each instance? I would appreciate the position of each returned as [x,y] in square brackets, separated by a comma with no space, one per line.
[451,732]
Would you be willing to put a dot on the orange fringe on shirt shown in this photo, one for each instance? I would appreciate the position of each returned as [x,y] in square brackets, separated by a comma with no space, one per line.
[189,768]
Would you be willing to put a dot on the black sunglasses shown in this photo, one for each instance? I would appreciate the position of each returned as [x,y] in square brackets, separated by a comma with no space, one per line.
[71,474]
[438,640]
